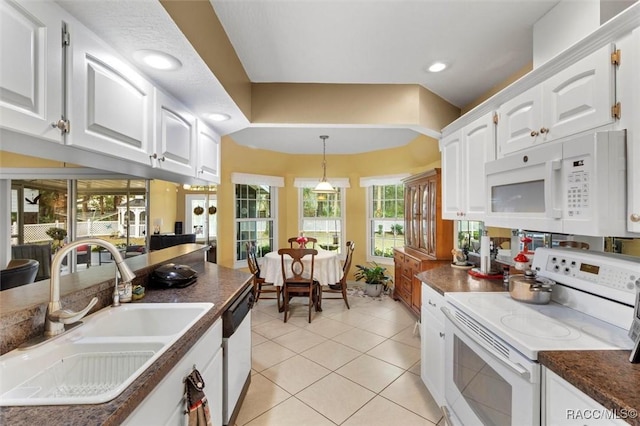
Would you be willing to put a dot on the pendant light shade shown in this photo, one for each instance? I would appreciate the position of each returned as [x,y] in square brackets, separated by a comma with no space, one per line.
[324,187]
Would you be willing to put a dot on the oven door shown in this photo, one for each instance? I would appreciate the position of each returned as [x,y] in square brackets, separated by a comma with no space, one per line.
[523,190]
[486,382]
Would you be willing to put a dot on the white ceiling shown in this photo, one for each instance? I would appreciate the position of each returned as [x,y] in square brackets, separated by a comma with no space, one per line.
[335,41]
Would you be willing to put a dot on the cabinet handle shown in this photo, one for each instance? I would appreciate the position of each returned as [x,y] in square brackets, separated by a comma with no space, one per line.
[431,303]
[635,217]
[441,334]
[156,157]
[544,130]
[534,133]
[63,125]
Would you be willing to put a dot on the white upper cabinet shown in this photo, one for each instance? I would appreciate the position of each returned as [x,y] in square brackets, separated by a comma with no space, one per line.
[576,99]
[208,167]
[633,141]
[31,68]
[175,147]
[519,121]
[580,97]
[452,190]
[111,108]
[464,154]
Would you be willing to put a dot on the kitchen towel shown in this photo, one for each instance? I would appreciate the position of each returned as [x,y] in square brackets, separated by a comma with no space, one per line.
[197,405]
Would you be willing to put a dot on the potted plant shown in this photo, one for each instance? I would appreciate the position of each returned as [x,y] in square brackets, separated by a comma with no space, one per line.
[375,278]
[57,235]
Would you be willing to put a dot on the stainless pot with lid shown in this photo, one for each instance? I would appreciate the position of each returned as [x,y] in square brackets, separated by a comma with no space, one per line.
[530,288]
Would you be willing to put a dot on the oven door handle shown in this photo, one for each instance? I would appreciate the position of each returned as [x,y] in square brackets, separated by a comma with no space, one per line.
[511,365]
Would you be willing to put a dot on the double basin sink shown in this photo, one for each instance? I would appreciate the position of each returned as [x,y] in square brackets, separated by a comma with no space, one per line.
[95,362]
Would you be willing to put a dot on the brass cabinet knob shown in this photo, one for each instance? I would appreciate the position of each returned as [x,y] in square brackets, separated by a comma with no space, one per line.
[544,130]
[534,133]
[635,217]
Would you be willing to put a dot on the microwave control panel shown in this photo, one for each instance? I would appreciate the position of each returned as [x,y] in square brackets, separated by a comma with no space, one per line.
[578,179]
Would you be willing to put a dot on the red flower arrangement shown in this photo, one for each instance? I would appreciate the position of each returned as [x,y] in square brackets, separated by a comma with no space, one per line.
[302,240]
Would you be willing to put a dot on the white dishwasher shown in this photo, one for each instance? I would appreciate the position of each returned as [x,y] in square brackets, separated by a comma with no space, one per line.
[236,354]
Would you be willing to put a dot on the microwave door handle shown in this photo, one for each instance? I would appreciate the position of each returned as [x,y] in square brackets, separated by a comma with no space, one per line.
[554,172]
[519,369]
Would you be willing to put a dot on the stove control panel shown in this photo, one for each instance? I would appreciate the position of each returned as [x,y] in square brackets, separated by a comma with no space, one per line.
[612,276]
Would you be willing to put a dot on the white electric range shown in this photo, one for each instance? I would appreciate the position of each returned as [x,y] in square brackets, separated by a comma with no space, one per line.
[492,341]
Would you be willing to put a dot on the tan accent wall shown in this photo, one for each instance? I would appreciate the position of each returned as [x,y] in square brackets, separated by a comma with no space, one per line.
[10,159]
[419,155]
[394,104]
[498,87]
[200,25]
[163,204]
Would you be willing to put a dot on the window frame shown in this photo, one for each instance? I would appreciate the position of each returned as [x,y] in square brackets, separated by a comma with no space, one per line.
[250,180]
[342,241]
[369,183]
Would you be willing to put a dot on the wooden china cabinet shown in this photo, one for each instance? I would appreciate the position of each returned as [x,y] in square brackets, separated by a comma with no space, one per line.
[428,237]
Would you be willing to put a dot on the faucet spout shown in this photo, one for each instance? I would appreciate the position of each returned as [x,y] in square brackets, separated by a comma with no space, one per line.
[56,317]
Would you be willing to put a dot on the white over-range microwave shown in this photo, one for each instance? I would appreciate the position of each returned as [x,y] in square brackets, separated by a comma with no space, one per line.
[578,186]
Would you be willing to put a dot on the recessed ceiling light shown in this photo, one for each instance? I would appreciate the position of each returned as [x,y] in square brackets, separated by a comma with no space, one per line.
[437,67]
[218,116]
[157,60]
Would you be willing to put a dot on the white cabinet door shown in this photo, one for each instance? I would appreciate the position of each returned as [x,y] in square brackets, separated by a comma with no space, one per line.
[563,404]
[519,122]
[175,136]
[165,404]
[111,104]
[579,97]
[479,141]
[432,343]
[31,68]
[463,156]
[633,143]
[452,161]
[208,154]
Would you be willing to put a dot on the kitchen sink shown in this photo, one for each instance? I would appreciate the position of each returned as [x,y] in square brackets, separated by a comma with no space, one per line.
[94,363]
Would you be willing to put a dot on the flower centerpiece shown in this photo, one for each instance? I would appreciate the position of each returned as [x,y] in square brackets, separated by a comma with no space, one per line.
[302,240]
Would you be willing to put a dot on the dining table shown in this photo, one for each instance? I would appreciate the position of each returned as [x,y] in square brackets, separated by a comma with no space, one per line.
[327,267]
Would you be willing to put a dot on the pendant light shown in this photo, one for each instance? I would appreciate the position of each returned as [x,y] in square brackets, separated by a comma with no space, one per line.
[324,187]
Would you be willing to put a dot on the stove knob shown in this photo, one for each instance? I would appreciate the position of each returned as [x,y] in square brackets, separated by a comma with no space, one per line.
[573,263]
[553,259]
[563,261]
[566,270]
[556,268]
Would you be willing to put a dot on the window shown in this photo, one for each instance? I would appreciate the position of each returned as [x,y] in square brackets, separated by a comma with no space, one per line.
[385,215]
[323,217]
[386,219]
[254,218]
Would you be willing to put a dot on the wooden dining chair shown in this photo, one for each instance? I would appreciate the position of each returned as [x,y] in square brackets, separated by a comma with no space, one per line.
[259,284]
[297,277]
[294,240]
[340,287]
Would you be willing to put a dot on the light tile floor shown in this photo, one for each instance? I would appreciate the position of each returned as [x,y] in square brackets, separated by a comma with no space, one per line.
[358,366]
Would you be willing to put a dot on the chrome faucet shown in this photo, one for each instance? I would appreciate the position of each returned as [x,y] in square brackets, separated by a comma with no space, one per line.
[56,317]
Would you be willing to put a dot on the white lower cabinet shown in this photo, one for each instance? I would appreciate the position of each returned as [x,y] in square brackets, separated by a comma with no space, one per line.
[165,404]
[432,343]
[563,404]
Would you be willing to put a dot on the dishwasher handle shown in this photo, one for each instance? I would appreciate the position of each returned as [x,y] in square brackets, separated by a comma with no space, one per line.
[237,312]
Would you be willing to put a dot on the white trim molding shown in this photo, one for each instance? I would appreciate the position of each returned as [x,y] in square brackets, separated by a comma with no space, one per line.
[250,179]
[383,180]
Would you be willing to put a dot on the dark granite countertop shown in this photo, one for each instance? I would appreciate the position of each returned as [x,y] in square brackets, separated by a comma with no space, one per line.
[446,279]
[215,284]
[606,376]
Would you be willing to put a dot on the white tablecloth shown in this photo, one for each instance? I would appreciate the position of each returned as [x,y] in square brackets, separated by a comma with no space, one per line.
[327,269]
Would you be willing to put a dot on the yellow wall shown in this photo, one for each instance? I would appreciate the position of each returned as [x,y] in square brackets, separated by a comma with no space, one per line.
[420,154]
[163,198]
[9,159]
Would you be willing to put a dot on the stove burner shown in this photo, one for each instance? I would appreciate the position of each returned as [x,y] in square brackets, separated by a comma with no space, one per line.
[534,326]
